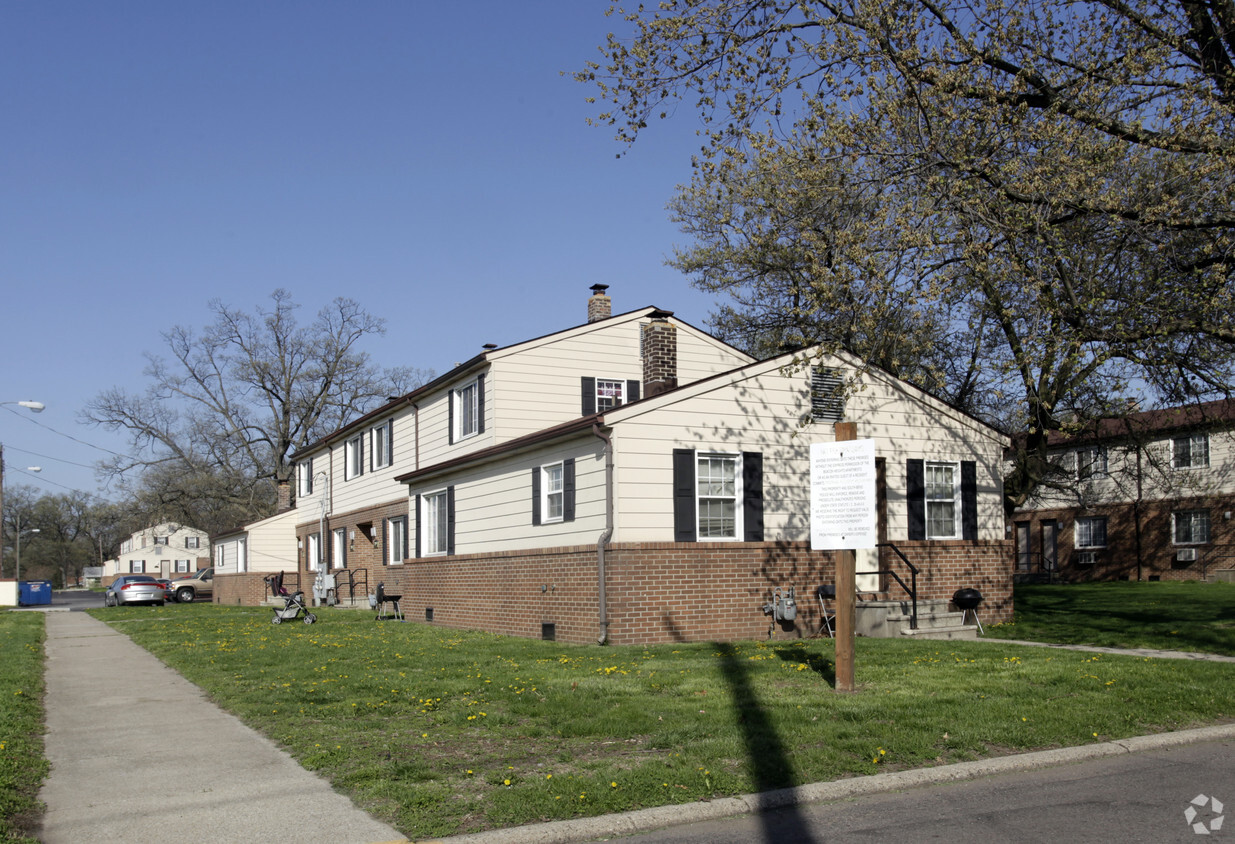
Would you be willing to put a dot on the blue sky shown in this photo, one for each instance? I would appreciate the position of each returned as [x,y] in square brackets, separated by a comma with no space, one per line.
[428,159]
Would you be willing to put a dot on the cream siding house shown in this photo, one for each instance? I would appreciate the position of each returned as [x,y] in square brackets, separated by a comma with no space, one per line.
[167,550]
[705,480]
[634,479]
[351,513]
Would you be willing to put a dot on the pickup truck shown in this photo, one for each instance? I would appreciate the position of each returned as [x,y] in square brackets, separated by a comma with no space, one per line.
[186,590]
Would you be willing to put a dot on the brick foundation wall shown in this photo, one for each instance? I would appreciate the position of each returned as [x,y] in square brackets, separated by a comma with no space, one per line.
[657,592]
[1147,554]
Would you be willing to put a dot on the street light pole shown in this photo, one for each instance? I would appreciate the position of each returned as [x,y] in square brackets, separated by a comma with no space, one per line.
[33,407]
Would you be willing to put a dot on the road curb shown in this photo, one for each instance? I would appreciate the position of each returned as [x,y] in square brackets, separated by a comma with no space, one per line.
[646,820]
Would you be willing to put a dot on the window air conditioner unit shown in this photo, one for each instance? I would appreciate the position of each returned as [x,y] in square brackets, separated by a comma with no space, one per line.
[1185,555]
[1086,558]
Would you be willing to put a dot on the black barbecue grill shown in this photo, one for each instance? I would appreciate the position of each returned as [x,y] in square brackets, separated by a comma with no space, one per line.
[967,600]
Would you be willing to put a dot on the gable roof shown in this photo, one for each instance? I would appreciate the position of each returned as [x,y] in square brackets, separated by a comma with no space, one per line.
[467,367]
[615,415]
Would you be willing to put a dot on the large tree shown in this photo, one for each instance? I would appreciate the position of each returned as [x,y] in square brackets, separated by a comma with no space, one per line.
[213,431]
[1045,186]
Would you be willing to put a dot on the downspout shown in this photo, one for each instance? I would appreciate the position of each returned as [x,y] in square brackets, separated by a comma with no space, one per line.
[605,535]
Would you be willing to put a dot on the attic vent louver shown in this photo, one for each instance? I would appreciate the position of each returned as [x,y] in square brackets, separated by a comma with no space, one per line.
[827,397]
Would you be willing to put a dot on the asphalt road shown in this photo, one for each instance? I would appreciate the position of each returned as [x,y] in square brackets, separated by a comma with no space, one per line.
[1136,797]
[76,599]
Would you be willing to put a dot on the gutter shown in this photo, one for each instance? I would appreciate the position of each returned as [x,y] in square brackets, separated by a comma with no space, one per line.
[605,536]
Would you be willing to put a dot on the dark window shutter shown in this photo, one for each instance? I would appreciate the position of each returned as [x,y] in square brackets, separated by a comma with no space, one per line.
[915,497]
[480,404]
[450,418]
[568,489]
[587,388]
[969,499]
[535,495]
[450,521]
[390,442]
[419,541]
[684,495]
[632,391]
[752,496]
[387,553]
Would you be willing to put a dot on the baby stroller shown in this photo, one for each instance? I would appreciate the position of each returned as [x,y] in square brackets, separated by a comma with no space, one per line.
[293,606]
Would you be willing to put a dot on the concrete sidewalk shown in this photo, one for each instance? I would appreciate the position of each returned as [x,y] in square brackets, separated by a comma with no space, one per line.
[125,768]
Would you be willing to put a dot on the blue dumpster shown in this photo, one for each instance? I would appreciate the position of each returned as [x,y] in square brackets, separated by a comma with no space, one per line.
[31,593]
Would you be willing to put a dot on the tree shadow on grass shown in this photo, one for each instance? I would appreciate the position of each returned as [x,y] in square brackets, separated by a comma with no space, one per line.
[825,668]
[780,818]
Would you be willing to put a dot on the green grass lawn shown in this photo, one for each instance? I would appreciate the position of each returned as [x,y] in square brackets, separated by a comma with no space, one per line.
[441,731]
[22,765]
[1183,616]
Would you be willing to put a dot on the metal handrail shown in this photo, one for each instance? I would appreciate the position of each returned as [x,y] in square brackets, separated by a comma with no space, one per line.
[354,575]
[911,590]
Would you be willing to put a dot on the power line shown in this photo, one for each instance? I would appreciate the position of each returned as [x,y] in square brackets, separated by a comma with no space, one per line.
[49,457]
[34,421]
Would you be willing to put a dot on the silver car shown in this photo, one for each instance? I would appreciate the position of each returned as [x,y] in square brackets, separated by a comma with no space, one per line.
[135,589]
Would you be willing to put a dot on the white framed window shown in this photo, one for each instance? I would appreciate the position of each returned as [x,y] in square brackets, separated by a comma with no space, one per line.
[353,458]
[338,548]
[379,444]
[466,406]
[182,566]
[1091,462]
[192,542]
[942,500]
[610,393]
[396,540]
[1091,532]
[137,566]
[313,551]
[1191,527]
[552,493]
[718,491]
[1190,451]
[435,520]
[126,546]
[304,478]
[161,540]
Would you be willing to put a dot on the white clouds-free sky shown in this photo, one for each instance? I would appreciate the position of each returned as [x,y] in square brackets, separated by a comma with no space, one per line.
[427,159]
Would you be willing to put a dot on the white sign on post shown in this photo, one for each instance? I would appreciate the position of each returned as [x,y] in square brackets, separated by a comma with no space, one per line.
[842,496]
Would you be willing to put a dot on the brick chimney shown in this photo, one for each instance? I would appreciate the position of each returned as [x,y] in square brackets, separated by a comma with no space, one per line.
[599,305]
[284,489]
[660,354]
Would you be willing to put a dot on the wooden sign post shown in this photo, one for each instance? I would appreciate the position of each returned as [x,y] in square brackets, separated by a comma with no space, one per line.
[846,593]
[843,519]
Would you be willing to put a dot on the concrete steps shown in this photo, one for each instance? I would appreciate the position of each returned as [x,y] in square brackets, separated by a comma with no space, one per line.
[887,619]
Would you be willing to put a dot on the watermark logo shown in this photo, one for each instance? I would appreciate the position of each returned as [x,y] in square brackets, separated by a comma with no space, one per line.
[1192,813]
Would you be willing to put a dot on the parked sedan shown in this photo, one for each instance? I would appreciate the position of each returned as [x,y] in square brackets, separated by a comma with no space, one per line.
[135,589]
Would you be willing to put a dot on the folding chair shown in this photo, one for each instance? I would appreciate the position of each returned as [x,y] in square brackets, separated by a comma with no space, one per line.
[826,592]
[384,598]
